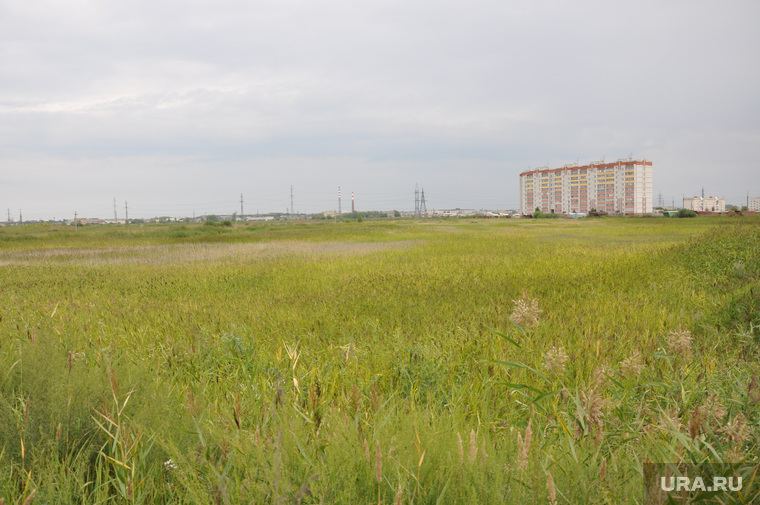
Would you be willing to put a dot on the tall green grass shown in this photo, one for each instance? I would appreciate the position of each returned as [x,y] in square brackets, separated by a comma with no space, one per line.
[297,363]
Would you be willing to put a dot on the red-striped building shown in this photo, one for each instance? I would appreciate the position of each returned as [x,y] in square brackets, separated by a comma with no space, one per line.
[622,187]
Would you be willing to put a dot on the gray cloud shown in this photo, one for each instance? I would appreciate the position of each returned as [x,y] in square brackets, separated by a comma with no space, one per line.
[148,101]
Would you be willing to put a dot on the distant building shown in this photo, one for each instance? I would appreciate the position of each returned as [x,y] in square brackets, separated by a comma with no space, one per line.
[705,204]
[754,204]
[624,187]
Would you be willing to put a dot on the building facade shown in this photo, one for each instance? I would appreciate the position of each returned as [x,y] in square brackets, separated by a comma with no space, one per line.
[705,204]
[754,204]
[622,187]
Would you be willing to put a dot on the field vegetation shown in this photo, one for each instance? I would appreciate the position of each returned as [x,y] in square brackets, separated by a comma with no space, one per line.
[383,361]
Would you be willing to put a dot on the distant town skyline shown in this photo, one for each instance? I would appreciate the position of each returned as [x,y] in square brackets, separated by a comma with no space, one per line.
[178,108]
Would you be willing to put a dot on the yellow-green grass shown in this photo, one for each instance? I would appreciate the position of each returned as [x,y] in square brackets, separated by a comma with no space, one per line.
[261,362]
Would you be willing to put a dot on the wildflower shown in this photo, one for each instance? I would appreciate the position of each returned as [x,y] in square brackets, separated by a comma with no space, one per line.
[679,342]
[555,359]
[526,312]
[169,465]
[631,366]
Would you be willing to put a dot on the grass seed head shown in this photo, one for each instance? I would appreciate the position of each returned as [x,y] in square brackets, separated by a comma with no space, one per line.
[524,445]
[736,430]
[555,359]
[696,422]
[753,391]
[593,405]
[473,446]
[551,491]
[601,376]
[460,449]
[714,410]
[526,312]
[631,367]
[679,342]
[378,463]
[735,455]
[30,497]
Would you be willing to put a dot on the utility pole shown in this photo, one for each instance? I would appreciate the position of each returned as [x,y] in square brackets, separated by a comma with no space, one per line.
[126,213]
[75,221]
[114,210]
[291,200]
[241,205]
[20,217]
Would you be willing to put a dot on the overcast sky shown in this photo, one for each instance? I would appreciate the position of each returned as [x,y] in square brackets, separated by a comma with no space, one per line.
[180,106]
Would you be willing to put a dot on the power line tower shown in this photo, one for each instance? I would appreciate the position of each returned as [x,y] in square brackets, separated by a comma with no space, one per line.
[126,213]
[353,210]
[114,210]
[423,207]
[291,200]
[340,212]
[241,205]
[416,201]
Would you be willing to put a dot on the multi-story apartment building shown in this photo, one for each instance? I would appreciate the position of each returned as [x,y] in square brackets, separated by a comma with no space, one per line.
[754,204]
[705,204]
[623,187]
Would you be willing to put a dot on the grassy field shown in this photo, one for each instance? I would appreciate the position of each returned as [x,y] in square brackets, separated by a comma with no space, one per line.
[394,362]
